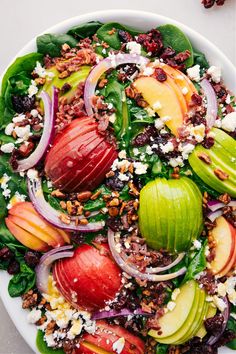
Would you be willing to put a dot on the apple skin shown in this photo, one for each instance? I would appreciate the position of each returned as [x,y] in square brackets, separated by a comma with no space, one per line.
[224,235]
[88,279]
[223,157]
[154,91]
[80,157]
[170,213]
[29,228]
[104,338]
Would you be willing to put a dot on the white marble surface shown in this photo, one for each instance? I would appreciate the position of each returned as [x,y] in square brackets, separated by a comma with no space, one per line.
[22,20]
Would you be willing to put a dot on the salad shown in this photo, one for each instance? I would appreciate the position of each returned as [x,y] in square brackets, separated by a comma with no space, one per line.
[118,187]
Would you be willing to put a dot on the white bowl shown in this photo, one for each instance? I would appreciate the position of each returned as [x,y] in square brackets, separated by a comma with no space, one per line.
[141,20]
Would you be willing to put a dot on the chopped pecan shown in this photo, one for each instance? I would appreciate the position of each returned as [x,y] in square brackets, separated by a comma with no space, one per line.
[30,299]
[224,198]
[113,211]
[64,218]
[95,195]
[204,157]
[114,202]
[221,174]
[84,196]
[57,193]
[64,74]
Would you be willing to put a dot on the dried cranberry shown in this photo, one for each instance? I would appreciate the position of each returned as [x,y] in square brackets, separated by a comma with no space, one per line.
[151,41]
[197,119]
[208,142]
[115,183]
[65,88]
[14,267]
[160,75]
[125,36]
[141,139]
[32,258]
[114,224]
[25,149]
[214,324]
[126,72]
[220,92]
[181,57]
[229,109]
[172,62]
[6,254]
[168,52]
[22,104]
[196,99]
[208,3]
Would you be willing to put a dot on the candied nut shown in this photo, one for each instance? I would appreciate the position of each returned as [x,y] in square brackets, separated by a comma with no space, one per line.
[221,174]
[136,205]
[41,321]
[123,205]
[30,299]
[50,327]
[63,205]
[64,74]
[84,196]
[114,202]
[141,102]
[110,174]
[95,195]
[112,31]
[130,92]
[83,221]
[69,207]
[80,210]
[102,83]
[204,157]
[57,193]
[106,197]
[40,81]
[113,211]
[133,189]
[224,198]
[64,218]
[115,194]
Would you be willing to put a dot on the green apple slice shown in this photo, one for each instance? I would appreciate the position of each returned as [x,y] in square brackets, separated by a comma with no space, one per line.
[210,313]
[222,157]
[173,321]
[198,319]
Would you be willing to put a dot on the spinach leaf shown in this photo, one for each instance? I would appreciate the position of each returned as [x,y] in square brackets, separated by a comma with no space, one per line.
[197,264]
[124,193]
[115,94]
[20,83]
[92,205]
[161,348]
[22,282]
[231,325]
[173,37]
[5,236]
[139,115]
[204,187]
[200,59]
[85,29]
[113,39]
[51,43]
[42,345]
[25,64]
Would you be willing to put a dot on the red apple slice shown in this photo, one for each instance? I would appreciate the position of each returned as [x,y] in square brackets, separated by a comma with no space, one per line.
[106,336]
[88,279]
[26,238]
[224,235]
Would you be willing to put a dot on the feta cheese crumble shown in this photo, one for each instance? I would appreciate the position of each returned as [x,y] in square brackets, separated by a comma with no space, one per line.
[134,47]
[118,346]
[33,89]
[215,73]
[194,73]
[7,148]
[228,123]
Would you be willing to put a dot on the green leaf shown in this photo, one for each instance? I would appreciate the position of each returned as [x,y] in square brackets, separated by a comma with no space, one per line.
[204,187]
[84,30]
[140,115]
[200,59]
[161,348]
[173,37]
[22,282]
[113,39]
[231,325]
[42,345]
[197,264]
[52,43]
[93,205]
[25,63]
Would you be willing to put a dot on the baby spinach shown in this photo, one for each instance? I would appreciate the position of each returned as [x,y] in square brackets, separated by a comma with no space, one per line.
[200,59]
[105,33]
[161,348]
[51,43]
[42,345]
[24,64]
[84,30]
[204,187]
[197,264]
[173,37]
[92,205]
[22,282]
[231,325]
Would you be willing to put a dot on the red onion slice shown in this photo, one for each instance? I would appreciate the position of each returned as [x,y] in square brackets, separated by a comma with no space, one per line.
[212,106]
[124,312]
[111,62]
[48,128]
[43,268]
[214,205]
[213,339]
[214,215]
[52,215]
[134,272]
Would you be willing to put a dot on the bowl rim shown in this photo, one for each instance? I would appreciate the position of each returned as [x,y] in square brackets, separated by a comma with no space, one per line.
[107,15]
